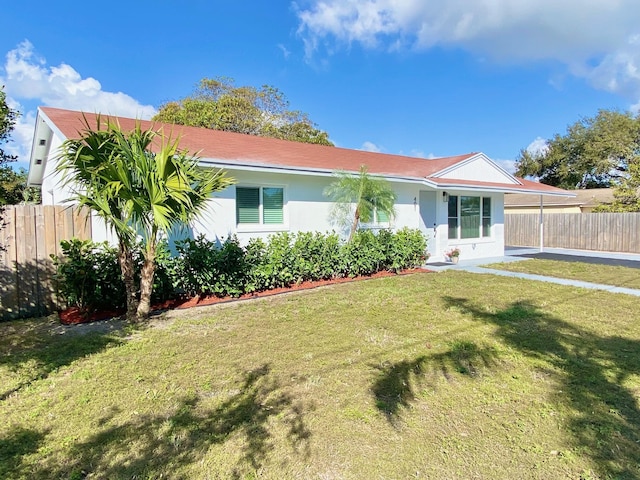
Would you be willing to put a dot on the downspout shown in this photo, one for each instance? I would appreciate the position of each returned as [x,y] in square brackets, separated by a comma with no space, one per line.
[541,225]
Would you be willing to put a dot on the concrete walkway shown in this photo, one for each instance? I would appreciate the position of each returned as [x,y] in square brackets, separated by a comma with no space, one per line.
[518,254]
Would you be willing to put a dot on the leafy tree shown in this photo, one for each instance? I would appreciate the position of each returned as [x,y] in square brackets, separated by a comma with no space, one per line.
[594,152]
[8,118]
[13,187]
[137,192]
[358,197]
[626,193]
[219,105]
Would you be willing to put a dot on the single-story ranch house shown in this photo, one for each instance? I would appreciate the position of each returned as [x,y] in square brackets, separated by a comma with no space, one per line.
[456,201]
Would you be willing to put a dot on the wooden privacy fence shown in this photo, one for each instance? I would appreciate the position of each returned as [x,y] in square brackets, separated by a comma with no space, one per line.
[611,232]
[32,233]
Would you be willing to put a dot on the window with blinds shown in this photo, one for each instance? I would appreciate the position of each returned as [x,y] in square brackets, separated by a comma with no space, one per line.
[272,200]
[260,205]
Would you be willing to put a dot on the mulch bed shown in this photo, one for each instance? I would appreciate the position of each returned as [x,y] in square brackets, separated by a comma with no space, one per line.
[75,315]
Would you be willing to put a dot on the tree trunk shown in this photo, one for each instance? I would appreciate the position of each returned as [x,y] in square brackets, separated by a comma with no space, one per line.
[125,258]
[146,283]
[354,226]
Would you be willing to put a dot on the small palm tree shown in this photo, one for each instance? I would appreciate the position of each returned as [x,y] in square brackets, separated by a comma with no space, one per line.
[361,195]
[137,192]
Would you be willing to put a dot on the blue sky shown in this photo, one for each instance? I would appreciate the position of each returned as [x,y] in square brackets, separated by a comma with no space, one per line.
[415,77]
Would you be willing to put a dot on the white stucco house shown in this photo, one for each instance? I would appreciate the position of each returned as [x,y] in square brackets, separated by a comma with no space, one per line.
[456,201]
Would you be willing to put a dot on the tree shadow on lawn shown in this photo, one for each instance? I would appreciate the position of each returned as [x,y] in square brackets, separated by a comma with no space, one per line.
[14,446]
[397,383]
[32,351]
[594,368]
[151,446]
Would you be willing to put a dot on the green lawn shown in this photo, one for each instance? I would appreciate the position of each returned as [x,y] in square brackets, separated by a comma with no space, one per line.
[449,375]
[586,272]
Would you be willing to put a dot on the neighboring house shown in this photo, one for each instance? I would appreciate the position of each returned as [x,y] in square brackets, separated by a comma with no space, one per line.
[456,201]
[584,201]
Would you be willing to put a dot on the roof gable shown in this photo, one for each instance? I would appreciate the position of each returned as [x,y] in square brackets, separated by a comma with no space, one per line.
[475,167]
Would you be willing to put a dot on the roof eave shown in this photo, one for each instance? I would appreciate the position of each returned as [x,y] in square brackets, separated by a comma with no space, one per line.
[39,153]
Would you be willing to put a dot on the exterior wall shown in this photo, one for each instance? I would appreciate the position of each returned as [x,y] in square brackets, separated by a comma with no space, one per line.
[471,248]
[53,192]
[305,209]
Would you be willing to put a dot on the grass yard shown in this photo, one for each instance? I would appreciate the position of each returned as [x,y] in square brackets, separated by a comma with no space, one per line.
[448,376]
[587,272]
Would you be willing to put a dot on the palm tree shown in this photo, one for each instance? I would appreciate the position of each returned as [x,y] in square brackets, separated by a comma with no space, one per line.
[89,166]
[364,192]
[137,192]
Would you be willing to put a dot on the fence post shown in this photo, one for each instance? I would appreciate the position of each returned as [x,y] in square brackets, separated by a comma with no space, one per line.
[541,225]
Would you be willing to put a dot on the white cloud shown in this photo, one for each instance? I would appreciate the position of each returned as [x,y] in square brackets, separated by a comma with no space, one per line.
[595,39]
[371,147]
[28,78]
[508,165]
[285,52]
[619,71]
[539,146]
[420,154]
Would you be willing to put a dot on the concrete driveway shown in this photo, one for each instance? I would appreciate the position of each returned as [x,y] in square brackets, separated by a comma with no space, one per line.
[518,254]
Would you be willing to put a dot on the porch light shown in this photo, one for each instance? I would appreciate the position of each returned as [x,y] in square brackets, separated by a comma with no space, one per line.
[445,197]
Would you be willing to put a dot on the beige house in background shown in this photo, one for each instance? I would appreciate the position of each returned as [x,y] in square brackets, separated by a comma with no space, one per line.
[583,202]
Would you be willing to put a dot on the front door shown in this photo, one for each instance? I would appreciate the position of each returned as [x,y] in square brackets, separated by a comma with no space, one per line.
[429,221]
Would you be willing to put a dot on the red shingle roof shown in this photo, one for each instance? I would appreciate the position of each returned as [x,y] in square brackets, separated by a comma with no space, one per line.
[235,148]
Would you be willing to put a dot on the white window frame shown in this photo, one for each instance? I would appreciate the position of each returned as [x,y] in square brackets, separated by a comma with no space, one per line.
[458,238]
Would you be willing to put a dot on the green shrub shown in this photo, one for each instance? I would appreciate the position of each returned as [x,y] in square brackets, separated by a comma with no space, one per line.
[255,254]
[271,263]
[406,248]
[363,255]
[88,275]
[197,266]
[232,270]
[205,269]
[315,256]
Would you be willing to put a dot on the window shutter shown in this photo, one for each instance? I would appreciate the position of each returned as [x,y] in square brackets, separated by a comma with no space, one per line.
[272,201]
[382,216]
[248,205]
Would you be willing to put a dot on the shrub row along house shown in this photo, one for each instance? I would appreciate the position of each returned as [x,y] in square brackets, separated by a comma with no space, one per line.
[455,201]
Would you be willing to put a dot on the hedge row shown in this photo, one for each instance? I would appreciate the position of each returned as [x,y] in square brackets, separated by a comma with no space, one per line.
[88,273]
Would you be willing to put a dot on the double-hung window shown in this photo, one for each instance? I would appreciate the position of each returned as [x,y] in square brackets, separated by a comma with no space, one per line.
[469,217]
[260,205]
